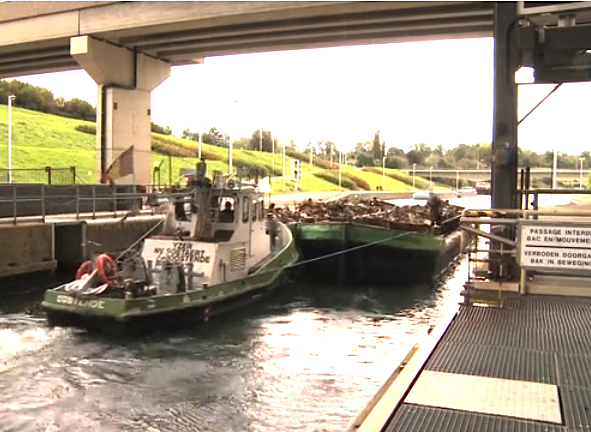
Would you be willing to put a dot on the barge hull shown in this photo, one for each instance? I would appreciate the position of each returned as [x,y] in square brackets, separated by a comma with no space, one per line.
[410,258]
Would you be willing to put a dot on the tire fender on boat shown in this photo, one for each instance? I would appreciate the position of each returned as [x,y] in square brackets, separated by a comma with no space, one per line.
[107,269]
[85,268]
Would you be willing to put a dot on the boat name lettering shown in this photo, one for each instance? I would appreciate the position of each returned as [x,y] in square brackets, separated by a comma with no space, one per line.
[183,252]
[92,304]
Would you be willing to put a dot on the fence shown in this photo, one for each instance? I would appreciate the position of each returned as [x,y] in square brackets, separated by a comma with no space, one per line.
[47,175]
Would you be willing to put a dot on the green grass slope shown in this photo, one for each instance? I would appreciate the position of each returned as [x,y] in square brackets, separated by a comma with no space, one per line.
[40,140]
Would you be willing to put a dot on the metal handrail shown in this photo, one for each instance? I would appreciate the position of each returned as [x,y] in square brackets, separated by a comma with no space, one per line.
[107,195]
[518,212]
[113,196]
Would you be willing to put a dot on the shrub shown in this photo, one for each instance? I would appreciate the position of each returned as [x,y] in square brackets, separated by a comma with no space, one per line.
[167,146]
[86,128]
[359,182]
[263,171]
[334,179]
[420,182]
[305,157]
[322,163]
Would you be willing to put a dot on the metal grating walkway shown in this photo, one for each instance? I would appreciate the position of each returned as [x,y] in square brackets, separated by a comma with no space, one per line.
[539,339]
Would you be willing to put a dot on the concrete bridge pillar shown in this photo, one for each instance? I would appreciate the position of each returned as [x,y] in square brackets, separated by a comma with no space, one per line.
[125,80]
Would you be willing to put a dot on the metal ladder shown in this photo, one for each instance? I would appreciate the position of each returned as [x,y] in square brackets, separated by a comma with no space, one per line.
[470,293]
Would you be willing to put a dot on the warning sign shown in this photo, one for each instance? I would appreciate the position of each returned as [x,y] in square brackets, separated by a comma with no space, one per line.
[552,247]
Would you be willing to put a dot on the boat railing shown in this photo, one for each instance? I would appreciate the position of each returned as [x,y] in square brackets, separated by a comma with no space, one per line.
[520,250]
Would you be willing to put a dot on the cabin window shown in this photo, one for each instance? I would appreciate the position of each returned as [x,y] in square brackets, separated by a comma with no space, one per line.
[227,206]
[255,207]
[245,210]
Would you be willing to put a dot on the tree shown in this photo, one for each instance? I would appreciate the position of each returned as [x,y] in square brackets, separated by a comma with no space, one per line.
[377,149]
[255,140]
[80,109]
[398,162]
[241,143]
[439,150]
[164,130]
[326,148]
[414,156]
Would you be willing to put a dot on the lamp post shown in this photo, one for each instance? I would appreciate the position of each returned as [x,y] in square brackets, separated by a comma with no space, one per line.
[414,167]
[430,181]
[340,161]
[383,172]
[10,99]
[581,173]
[230,170]
[273,151]
[554,166]
[283,176]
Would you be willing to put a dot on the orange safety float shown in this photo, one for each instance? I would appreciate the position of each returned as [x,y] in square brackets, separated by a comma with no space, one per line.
[107,269]
[85,268]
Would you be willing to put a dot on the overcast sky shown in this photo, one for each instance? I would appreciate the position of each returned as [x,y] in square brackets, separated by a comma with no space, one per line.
[437,92]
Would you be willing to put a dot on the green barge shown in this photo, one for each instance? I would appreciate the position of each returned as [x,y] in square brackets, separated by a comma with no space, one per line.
[375,255]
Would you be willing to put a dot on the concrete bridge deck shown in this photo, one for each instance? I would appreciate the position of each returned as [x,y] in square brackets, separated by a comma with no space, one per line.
[522,367]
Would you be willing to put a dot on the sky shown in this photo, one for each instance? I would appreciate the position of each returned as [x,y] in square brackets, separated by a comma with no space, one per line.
[436,92]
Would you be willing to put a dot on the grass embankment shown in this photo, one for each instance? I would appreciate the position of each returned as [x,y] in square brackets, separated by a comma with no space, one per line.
[40,140]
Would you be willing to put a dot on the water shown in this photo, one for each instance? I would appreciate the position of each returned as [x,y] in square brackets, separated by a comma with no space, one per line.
[307,359]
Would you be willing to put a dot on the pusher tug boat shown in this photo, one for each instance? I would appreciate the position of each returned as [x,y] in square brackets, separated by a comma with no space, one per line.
[216,258]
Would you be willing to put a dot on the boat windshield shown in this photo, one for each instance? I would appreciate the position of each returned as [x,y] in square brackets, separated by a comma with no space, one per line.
[227,206]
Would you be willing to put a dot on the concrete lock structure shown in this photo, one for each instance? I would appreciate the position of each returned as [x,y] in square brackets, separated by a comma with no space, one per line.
[26,249]
[125,80]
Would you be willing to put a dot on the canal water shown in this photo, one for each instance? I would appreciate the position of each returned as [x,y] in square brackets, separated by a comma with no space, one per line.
[306,359]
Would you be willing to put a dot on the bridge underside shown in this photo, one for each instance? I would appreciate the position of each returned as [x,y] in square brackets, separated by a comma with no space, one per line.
[187,32]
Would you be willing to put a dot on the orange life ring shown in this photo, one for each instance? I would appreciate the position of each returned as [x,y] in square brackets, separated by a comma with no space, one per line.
[85,268]
[107,269]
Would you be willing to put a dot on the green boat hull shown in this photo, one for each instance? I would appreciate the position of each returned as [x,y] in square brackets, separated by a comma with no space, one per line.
[376,256]
[118,315]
